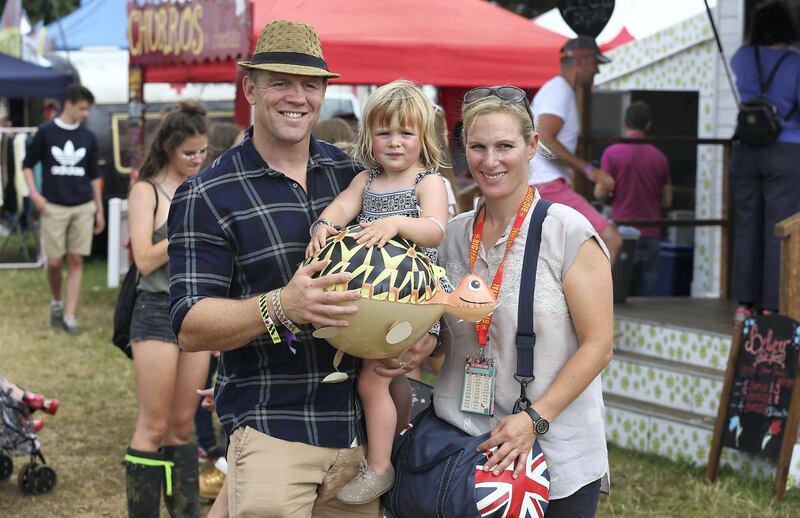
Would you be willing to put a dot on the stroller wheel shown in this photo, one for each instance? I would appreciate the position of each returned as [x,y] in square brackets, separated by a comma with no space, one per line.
[37,479]
[6,467]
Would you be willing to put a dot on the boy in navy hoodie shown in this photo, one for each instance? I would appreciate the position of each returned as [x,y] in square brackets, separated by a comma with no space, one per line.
[70,202]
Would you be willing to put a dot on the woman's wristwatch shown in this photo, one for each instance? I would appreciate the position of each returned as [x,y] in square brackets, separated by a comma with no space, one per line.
[540,424]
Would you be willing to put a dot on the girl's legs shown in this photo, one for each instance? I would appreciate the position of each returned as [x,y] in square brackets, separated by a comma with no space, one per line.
[192,370]
[377,477]
[380,414]
[191,375]
[155,365]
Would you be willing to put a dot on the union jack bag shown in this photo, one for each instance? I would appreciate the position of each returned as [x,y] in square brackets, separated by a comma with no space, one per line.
[438,474]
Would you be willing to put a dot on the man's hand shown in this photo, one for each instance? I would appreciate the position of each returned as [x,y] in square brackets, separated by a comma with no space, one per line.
[409,360]
[99,222]
[378,232]
[39,201]
[603,180]
[304,300]
[514,436]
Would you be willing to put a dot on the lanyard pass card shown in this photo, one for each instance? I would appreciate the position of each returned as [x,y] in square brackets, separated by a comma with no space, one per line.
[477,396]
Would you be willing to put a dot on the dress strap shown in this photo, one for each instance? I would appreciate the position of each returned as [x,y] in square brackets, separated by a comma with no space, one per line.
[371,175]
[423,174]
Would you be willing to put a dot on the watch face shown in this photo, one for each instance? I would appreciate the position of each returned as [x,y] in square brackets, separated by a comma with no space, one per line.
[542,425]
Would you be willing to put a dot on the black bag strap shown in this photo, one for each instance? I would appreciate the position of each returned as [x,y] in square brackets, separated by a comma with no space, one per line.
[764,86]
[526,337]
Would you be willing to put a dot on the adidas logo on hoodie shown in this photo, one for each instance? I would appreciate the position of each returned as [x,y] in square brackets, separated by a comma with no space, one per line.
[67,158]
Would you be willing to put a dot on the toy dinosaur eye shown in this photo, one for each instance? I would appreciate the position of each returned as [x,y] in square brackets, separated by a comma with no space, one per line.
[475,285]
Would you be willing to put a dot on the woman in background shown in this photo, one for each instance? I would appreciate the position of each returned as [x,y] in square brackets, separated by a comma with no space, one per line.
[167,378]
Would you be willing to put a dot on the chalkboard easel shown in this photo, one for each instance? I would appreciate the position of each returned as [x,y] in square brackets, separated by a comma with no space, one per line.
[760,402]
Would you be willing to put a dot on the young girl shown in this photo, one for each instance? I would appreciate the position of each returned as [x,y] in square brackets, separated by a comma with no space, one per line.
[401,193]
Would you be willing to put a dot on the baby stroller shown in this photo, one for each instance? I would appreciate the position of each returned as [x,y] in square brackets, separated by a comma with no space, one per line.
[18,438]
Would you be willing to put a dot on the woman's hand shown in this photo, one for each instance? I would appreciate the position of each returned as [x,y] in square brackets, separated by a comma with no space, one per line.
[409,360]
[514,437]
[378,232]
[321,234]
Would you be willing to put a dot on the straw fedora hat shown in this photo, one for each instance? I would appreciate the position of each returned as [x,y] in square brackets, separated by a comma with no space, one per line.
[291,48]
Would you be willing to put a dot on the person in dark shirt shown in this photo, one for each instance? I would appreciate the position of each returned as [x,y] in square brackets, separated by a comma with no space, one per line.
[765,182]
[237,232]
[642,187]
[70,202]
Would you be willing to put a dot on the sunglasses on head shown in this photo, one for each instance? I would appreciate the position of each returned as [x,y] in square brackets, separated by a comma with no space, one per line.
[506,93]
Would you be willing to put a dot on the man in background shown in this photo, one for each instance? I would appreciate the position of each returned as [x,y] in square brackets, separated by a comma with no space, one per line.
[70,201]
[555,109]
[642,188]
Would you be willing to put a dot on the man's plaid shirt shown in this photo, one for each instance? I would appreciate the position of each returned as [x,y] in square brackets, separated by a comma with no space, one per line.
[240,229]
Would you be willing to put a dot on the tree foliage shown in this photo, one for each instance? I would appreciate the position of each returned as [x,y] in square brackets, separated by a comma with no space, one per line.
[47,10]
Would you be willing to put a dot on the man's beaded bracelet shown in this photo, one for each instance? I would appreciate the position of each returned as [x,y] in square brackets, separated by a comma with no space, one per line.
[264,310]
[282,318]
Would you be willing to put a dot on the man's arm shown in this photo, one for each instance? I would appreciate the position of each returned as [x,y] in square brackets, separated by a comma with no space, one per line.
[36,197]
[99,216]
[217,324]
[33,155]
[548,126]
[666,196]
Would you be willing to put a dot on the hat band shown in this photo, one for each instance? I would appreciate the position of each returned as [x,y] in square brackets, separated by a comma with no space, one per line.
[288,58]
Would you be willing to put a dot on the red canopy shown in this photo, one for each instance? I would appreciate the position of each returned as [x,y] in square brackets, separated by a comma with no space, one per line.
[439,42]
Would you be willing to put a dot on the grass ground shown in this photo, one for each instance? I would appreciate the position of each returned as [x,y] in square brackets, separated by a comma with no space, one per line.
[86,440]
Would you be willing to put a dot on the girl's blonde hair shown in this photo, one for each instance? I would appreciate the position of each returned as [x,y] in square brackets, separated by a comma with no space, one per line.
[406,100]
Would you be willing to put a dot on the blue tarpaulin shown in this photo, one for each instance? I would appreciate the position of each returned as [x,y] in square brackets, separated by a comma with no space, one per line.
[20,79]
[95,23]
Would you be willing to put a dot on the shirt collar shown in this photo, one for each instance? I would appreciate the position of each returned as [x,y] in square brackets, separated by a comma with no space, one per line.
[63,125]
[504,237]
[317,157]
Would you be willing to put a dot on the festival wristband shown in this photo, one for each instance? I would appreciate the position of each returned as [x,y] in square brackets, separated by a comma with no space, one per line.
[588,169]
[321,221]
[271,329]
[280,314]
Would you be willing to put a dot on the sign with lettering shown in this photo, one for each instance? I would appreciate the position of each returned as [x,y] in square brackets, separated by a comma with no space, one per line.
[197,30]
[761,389]
[586,17]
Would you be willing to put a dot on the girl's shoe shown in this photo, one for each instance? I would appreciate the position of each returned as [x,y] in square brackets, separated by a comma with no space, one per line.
[36,401]
[366,486]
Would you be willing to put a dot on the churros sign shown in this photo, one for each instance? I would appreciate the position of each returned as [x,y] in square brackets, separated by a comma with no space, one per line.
[161,33]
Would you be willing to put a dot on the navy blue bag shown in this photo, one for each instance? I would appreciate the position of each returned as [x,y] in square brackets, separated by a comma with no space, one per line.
[437,470]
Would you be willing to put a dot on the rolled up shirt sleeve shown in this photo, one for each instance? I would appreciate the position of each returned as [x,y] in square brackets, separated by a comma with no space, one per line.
[200,252]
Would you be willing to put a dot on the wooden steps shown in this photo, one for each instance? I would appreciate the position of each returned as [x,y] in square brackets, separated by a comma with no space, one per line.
[662,388]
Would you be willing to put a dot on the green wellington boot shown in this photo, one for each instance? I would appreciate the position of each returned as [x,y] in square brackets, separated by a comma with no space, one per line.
[184,502]
[145,472]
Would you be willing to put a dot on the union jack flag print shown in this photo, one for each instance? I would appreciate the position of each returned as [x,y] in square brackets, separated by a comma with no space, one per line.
[503,497]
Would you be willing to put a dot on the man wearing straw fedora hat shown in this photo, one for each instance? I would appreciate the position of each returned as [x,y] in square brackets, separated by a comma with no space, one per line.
[237,232]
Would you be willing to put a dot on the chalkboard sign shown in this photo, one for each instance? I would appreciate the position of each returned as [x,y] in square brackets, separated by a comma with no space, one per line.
[586,17]
[761,388]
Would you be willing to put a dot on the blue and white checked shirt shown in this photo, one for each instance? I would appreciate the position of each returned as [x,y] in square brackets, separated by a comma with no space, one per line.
[239,229]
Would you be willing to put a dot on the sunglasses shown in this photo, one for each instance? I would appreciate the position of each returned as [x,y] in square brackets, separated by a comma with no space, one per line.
[506,93]
[191,155]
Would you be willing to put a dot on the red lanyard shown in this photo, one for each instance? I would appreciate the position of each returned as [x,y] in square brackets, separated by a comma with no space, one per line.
[482,327]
